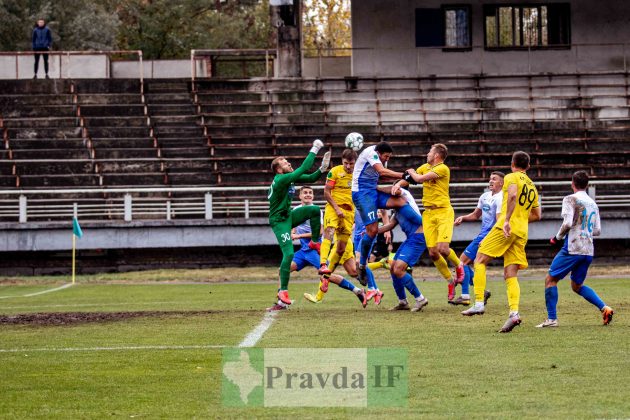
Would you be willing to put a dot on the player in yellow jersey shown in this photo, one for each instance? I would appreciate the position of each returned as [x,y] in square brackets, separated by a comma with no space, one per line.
[438,217]
[339,211]
[508,238]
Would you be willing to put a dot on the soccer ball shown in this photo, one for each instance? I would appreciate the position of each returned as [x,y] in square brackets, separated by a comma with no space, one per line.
[354,141]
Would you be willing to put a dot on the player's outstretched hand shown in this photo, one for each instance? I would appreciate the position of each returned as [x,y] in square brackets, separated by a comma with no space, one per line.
[317,145]
[458,221]
[408,177]
[325,162]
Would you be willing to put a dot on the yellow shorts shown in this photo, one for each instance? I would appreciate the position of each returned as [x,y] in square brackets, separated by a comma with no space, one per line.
[512,249]
[438,225]
[340,225]
[348,253]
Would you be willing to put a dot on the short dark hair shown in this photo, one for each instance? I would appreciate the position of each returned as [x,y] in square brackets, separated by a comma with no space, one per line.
[498,173]
[520,159]
[384,147]
[580,179]
[304,187]
[349,154]
[275,163]
[441,150]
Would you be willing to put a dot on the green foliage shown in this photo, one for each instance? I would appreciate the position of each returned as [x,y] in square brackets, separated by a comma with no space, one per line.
[170,29]
[161,28]
[326,27]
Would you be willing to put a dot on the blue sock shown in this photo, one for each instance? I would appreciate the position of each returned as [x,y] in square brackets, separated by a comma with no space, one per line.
[366,245]
[399,287]
[590,295]
[468,276]
[411,285]
[345,284]
[551,300]
[370,279]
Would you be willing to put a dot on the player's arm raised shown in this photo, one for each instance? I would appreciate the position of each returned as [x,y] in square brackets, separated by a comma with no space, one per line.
[387,227]
[387,174]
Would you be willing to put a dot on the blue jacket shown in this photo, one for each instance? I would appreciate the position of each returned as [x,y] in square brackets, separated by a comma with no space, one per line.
[42,37]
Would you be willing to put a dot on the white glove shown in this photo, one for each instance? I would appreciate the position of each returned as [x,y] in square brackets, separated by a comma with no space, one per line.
[325,162]
[317,144]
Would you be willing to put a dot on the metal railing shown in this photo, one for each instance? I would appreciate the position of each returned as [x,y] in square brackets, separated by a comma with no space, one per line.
[66,55]
[159,204]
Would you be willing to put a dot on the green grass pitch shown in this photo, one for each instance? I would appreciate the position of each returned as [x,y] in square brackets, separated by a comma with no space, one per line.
[153,350]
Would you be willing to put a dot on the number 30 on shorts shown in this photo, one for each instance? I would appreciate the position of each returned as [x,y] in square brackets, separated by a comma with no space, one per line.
[285,237]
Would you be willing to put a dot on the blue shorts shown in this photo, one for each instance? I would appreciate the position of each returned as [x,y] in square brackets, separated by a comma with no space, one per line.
[411,250]
[564,263]
[303,258]
[368,202]
[473,247]
[357,239]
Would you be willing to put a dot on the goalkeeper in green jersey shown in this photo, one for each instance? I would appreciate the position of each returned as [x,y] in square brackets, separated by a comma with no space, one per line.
[282,218]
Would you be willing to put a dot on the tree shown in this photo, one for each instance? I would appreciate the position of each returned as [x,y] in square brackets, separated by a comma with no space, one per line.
[326,27]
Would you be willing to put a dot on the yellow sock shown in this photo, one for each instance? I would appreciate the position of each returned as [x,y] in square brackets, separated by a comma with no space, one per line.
[479,281]
[320,295]
[324,250]
[513,293]
[452,257]
[374,265]
[442,267]
[333,260]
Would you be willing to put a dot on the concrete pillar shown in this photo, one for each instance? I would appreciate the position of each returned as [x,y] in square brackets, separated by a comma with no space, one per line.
[286,16]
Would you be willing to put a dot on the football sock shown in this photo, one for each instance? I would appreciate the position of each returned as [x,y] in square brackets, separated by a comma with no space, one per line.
[345,284]
[371,283]
[468,275]
[479,282]
[334,259]
[411,285]
[375,265]
[452,257]
[365,245]
[590,295]
[442,267]
[399,287]
[320,294]
[324,250]
[513,293]
[551,301]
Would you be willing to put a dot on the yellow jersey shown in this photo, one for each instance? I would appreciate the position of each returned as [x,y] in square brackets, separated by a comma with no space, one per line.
[435,191]
[341,183]
[526,200]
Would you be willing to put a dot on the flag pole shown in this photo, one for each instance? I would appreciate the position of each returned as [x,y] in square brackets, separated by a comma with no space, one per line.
[74,251]
[74,242]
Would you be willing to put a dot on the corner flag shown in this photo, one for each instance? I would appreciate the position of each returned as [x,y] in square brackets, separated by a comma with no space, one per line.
[76,228]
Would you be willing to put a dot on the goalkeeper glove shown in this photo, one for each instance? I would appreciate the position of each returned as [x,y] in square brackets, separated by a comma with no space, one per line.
[325,162]
[317,144]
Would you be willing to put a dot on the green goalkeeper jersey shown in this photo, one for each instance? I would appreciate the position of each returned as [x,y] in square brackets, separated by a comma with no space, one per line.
[281,191]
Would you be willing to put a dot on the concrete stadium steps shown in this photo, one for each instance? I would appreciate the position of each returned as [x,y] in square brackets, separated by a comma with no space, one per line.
[39,143]
[124,121]
[182,141]
[119,132]
[128,153]
[58,167]
[123,142]
[129,165]
[133,179]
[80,152]
[91,111]
[105,98]
[25,112]
[185,152]
[58,181]
[41,122]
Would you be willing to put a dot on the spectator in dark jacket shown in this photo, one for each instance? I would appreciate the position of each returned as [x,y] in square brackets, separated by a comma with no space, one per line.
[42,41]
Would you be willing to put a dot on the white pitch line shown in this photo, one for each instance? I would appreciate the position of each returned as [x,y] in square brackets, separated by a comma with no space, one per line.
[121,348]
[256,334]
[65,286]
